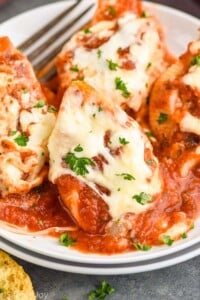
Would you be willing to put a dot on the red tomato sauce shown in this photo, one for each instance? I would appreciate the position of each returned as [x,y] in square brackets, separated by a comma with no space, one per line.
[41,209]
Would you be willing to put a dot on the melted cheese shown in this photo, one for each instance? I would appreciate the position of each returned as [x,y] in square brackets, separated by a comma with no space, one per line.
[192,78]
[189,123]
[22,167]
[80,122]
[141,36]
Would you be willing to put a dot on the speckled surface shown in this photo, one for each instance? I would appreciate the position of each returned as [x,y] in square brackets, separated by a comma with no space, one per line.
[181,281]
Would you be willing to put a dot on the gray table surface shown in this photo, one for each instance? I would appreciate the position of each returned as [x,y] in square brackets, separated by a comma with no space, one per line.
[181,281]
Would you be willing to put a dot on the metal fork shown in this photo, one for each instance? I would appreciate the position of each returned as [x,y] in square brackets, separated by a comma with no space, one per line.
[42,47]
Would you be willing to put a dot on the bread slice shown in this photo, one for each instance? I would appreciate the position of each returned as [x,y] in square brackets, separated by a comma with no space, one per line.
[15,284]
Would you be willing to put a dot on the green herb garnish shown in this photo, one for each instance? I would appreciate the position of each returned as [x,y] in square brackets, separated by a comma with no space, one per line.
[195,61]
[149,65]
[112,65]
[87,30]
[123,141]
[149,134]
[40,104]
[143,198]
[21,140]
[66,240]
[74,68]
[142,247]
[78,164]
[24,91]
[126,176]
[112,11]
[102,292]
[162,118]
[12,132]
[144,14]
[99,53]
[78,148]
[184,235]
[167,240]
[52,109]
[120,85]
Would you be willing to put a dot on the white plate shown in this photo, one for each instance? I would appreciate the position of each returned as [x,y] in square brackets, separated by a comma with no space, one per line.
[180,28]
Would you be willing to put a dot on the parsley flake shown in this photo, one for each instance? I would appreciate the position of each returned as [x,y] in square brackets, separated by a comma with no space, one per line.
[142,247]
[40,104]
[184,235]
[143,198]
[120,85]
[78,148]
[144,14]
[167,240]
[78,164]
[74,68]
[162,118]
[99,53]
[126,176]
[112,11]
[21,140]
[87,30]
[149,134]
[123,141]
[112,65]
[148,65]
[100,109]
[102,292]
[66,240]
[52,109]
[24,91]
[195,61]
[1,290]
[12,132]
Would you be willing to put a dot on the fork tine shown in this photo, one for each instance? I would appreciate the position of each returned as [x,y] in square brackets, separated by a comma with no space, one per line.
[57,35]
[24,46]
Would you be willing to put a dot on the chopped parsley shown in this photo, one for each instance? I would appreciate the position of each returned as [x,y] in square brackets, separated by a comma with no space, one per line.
[149,162]
[87,30]
[162,118]
[52,109]
[78,148]
[142,247]
[195,61]
[100,109]
[184,235]
[120,85]
[123,141]
[24,91]
[78,164]
[126,176]
[102,292]
[112,65]
[167,240]
[40,104]
[112,11]
[99,52]
[149,65]
[66,240]
[144,14]
[74,68]
[12,132]
[192,226]
[143,198]
[21,140]
[149,134]
[1,290]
